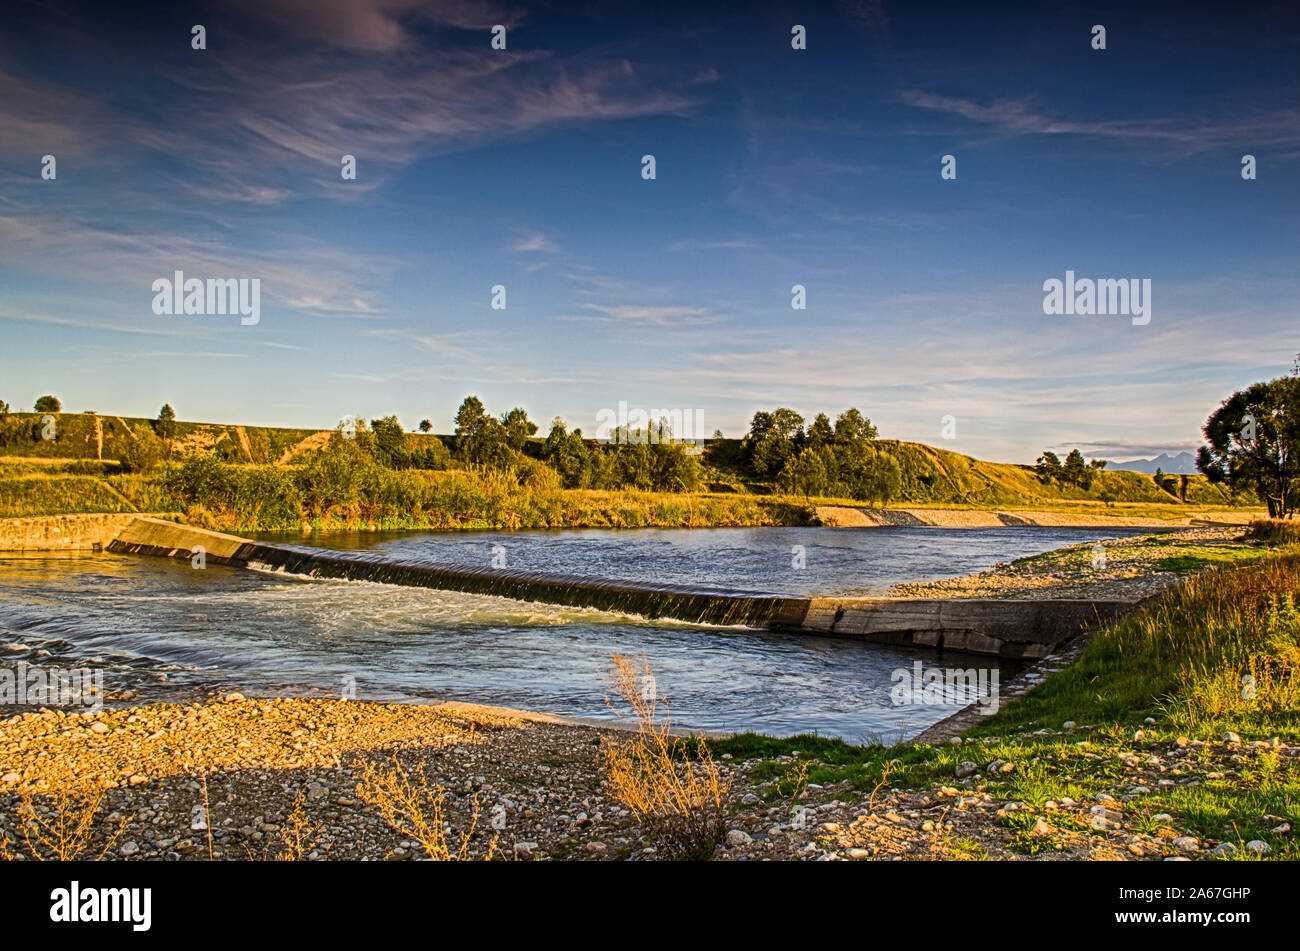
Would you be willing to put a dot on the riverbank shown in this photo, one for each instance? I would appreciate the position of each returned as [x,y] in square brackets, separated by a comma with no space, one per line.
[1081,515]
[1130,569]
[92,531]
[1145,748]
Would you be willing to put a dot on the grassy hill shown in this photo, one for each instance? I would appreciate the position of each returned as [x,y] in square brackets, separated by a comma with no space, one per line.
[78,470]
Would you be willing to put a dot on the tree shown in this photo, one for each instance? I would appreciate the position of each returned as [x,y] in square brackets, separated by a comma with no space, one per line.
[820,432]
[390,442]
[426,425]
[1253,441]
[1048,466]
[48,404]
[166,425]
[4,409]
[518,428]
[852,427]
[480,438]
[1076,471]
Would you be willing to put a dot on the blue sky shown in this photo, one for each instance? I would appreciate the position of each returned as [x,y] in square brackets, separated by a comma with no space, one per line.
[775,167]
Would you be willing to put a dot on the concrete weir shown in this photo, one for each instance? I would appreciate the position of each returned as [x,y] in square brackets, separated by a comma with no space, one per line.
[1006,628]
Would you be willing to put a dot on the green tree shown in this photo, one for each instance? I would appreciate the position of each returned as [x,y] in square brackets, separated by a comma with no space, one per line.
[390,442]
[48,404]
[852,427]
[820,432]
[165,427]
[426,425]
[1253,442]
[518,428]
[1048,466]
[480,438]
[1075,471]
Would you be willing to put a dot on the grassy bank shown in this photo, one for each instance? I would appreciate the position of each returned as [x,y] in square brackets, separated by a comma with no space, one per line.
[1182,725]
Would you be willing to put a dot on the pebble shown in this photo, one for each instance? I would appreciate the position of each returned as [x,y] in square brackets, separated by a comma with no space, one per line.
[965,768]
[1258,847]
[1187,843]
[738,837]
[1222,851]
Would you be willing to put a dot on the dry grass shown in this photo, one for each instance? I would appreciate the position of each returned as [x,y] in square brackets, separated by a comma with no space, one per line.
[300,833]
[670,784]
[64,832]
[415,810]
[1274,531]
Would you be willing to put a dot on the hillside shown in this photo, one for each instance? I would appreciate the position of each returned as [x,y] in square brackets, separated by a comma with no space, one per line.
[261,482]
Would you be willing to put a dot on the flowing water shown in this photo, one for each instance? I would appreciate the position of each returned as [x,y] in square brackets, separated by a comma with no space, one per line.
[163,629]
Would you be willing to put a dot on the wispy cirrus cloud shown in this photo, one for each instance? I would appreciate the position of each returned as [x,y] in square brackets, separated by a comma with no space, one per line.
[1277,129]
[375,25]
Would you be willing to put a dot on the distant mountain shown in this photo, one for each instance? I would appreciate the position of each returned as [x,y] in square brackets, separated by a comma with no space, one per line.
[1182,464]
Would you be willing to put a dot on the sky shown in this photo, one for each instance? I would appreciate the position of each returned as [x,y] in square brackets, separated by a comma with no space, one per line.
[774,167]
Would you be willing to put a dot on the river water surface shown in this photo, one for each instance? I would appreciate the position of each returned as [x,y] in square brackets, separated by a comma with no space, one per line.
[163,629]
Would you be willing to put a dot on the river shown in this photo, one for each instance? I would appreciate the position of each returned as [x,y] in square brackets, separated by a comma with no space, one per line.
[164,630]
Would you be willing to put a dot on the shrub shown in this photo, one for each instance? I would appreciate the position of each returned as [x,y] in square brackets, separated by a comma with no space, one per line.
[669,783]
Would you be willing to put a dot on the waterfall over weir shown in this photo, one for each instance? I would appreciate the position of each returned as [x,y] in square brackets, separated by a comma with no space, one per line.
[1007,628]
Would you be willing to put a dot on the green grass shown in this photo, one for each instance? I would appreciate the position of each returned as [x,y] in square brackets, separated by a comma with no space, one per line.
[1181,662]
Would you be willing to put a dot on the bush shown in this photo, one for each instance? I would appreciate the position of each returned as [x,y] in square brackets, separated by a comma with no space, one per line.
[201,480]
[144,452]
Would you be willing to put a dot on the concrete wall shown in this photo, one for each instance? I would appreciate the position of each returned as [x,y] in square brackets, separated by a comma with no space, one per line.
[1006,628]
[61,532]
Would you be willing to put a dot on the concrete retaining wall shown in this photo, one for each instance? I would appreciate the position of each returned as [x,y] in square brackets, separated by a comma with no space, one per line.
[1006,628]
[61,532]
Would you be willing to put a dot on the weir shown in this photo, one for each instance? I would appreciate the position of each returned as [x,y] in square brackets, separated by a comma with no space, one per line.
[1006,628]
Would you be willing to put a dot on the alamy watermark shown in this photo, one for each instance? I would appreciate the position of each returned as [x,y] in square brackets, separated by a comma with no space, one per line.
[213,297]
[51,686]
[626,426]
[940,686]
[1126,297]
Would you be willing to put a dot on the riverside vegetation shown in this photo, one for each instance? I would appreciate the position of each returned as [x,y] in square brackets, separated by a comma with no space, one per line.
[500,473]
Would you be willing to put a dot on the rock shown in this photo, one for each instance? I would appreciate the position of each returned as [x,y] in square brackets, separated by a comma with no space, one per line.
[856,853]
[1137,737]
[748,799]
[234,697]
[525,849]
[128,849]
[1232,739]
[1040,828]
[1258,847]
[995,767]
[1162,817]
[316,791]
[10,778]
[1283,829]
[738,837]
[1149,721]
[99,727]
[1068,725]
[1187,843]
[1222,851]
[965,768]
[595,847]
